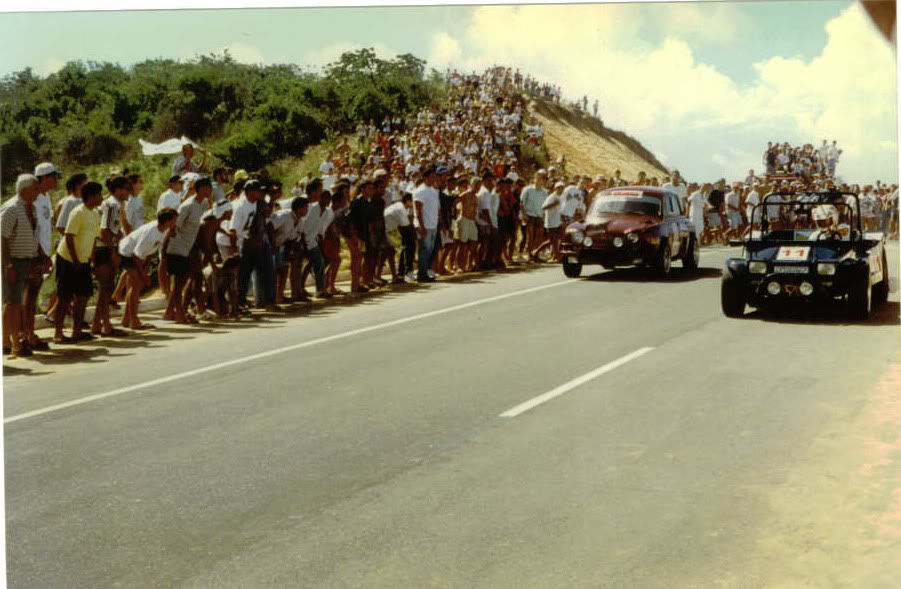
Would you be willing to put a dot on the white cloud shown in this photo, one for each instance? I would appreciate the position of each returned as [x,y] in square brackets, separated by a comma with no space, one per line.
[322,57]
[664,96]
[244,53]
[50,66]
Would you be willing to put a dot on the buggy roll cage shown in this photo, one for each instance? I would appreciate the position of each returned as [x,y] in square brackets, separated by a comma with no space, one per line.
[830,197]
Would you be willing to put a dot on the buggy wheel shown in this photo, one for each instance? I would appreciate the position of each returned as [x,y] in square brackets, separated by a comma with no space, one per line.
[571,270]
[880,290]
[860,298]
[664,262]
[732,298]
[692,258]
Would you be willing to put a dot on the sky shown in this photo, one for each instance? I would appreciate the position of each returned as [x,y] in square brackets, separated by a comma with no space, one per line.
[702,85]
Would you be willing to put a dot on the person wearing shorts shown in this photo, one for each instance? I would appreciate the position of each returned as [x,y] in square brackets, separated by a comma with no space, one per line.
[106,256]
[18,219]
[135,250]
[73,270]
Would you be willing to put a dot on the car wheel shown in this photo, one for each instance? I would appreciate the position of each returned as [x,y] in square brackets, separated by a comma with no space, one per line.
[731,296]
[692,258]
[860,298]
[664,262]
[880,290]
[572,270]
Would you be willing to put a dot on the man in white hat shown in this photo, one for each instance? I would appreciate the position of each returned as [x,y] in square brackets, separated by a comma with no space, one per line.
[19,249]
[48,177]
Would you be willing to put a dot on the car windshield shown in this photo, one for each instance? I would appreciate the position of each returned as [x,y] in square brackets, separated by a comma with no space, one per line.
[623,204]
[800,220]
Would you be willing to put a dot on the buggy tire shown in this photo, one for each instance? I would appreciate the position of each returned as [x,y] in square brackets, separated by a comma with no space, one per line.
[860,298]
[571,270]
[880,290]
[732,298]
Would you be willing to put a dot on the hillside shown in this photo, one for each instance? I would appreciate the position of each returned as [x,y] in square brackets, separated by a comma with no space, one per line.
[589,146]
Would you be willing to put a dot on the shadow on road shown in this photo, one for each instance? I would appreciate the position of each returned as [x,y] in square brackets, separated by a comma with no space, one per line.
[647,275]
[829,314]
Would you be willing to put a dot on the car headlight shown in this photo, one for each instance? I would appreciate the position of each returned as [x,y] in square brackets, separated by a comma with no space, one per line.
[588,242]
[826,269]
[632,237]
[773,288]
[618,241]
[577,236]
[757,267]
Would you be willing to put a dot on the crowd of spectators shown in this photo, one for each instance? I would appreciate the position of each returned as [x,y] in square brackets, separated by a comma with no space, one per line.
[806,162]
[434,192]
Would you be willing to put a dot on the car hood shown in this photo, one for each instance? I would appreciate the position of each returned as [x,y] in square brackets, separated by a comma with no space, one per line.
[619,223]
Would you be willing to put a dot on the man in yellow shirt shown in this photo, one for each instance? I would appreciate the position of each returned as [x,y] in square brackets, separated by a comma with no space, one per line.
[73,270]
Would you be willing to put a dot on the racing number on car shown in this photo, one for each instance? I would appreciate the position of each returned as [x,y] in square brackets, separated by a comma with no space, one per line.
[793,253]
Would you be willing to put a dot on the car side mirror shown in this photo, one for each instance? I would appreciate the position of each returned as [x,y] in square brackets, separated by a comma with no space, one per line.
[736,243]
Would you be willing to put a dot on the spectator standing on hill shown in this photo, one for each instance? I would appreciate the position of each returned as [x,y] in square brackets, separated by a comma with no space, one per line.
[20,247]
[185,162]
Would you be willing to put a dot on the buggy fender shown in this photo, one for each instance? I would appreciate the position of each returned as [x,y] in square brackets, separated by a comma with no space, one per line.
[738,267]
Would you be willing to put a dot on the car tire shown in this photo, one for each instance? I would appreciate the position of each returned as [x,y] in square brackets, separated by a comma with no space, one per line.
[571,270]
[692,258]
[860,298]
[880,290]
[732,298]
[664,262]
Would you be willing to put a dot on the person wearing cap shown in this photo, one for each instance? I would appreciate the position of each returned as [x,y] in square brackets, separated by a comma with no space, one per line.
[135,250]
[426,203]
[171,199]
[73,267]
[532,199]
[552,206]
[48,178]
[185,162]
[20,246]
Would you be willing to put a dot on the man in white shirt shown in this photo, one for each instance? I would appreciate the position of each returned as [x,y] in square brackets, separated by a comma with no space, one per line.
[489,203]
[171,199]
[426,203]
[184,163]
[573,201]
[752,199]
[696,207]
[531,200]
[733,211]
[677,185]
[135,250]
[48,178]
[311,235]
[72,200]
[552,207]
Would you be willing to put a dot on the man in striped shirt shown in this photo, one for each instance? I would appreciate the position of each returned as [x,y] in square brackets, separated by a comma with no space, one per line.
[18,228]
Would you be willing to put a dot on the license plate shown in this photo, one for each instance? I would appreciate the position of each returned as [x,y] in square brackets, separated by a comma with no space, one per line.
[790,269]
[796,253]
[572,259]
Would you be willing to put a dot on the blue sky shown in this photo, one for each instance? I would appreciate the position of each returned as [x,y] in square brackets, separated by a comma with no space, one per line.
[726,75]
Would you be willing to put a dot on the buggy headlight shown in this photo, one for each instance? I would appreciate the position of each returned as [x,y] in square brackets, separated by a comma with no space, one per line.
[577,236]
[826,269]
[618,241]
[773,288]
[632,237]
[757,267]
[806,289]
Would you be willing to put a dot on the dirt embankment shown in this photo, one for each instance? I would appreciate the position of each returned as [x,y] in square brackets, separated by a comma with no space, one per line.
[589,146]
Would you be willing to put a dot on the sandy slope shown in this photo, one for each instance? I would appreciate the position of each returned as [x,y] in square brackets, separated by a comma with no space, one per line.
[589,146]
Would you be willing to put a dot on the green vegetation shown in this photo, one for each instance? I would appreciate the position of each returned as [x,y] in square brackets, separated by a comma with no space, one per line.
[89,116]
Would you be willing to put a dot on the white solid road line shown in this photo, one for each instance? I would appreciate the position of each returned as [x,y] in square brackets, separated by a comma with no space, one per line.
[322,340]
[564,388]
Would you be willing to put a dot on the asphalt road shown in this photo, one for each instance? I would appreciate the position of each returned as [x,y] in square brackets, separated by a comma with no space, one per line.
[362,444]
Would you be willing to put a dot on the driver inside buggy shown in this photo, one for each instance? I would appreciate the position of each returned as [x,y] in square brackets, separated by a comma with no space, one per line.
[829,223]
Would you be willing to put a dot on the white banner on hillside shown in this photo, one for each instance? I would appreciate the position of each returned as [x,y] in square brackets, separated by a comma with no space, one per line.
[170,146]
